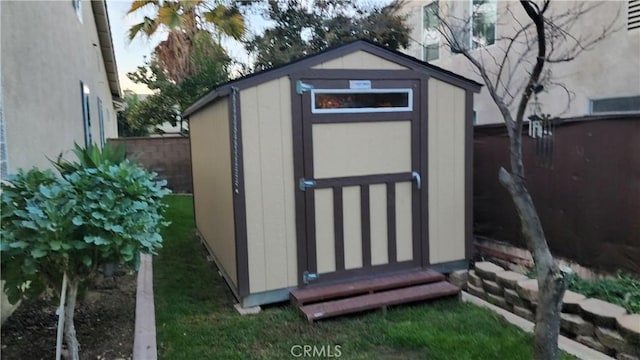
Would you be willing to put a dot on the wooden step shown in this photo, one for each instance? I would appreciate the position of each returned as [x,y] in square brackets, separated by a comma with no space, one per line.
[378,300]
[319,293]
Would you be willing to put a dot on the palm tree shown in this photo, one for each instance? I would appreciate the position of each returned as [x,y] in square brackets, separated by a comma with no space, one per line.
[192,26]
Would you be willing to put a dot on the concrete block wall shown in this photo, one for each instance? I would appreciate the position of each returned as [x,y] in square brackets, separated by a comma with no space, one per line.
[603,326]
[170,157]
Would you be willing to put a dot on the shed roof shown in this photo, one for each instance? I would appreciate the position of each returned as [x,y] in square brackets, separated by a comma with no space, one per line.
[332,53]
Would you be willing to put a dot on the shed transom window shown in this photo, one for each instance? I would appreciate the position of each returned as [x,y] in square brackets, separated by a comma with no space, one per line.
[325,101]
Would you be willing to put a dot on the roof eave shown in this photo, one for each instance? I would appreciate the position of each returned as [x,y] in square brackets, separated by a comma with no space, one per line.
[312,60]
[106,45]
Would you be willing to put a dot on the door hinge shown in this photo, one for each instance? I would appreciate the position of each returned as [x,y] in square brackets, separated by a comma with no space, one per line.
[307,277]
[304,184]
[302,87]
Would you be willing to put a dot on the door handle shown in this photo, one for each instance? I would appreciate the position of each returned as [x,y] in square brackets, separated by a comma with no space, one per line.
[416,176]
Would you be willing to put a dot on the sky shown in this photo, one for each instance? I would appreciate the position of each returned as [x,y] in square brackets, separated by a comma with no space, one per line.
[131,54]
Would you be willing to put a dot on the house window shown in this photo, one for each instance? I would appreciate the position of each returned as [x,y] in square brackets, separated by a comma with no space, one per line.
[101,122]
[86,113]
[325,101]
[484,16]
[617,105]
[77,6]
[430,34]
[473,24]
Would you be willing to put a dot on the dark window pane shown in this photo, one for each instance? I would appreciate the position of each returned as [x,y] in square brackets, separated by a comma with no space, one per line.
[620,104]
[361,100]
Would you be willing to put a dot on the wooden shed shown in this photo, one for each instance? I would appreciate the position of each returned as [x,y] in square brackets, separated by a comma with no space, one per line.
[348,164]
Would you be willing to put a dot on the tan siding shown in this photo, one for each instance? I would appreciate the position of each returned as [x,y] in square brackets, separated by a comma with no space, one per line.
[404,221]
[372,148]
[352,227]
[325,238]
[360,60]
[213,200]
[446,172]
[378,206]
[269,185]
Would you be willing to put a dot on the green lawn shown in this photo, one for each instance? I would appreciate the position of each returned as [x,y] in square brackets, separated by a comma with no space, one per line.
[195,318]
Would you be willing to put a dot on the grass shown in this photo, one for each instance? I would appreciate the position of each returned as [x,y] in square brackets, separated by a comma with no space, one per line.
[195,318]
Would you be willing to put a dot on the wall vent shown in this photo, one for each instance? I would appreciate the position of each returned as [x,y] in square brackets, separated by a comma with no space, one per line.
[634,15]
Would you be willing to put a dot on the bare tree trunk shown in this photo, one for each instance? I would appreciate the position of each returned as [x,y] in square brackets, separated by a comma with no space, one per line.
[551,282]
[69,326]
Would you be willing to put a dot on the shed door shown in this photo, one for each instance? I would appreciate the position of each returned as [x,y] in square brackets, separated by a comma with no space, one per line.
[361,177]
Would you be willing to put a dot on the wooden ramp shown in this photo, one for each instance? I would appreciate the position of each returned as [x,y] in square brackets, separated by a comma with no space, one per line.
[322,302]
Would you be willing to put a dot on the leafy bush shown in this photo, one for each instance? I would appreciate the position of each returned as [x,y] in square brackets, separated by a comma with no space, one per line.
[101,210]
[624,290]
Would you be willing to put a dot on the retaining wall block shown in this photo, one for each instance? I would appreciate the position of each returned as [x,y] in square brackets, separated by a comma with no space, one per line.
[476,291]
[613,340]
[492,287]
[575,324]
[512,297]
[629,327]
[601,313]
[487,270]
[499,301]
[591,342]
[474,279]
[509,279]
[524,313]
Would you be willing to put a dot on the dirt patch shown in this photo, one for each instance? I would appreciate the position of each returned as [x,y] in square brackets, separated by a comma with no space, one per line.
[104,319]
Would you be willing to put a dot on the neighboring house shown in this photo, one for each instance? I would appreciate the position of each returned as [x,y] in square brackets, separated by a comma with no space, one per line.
[604,80]
[59,81]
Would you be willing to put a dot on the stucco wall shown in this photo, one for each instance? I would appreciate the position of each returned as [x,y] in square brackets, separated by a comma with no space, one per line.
[610,69]
[46,53]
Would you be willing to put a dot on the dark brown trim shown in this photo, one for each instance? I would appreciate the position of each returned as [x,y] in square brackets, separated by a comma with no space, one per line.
[468,176]
[365,220]
[391,222]
[362,180]
[351,74]
[365,272]
[338,227]
[312,60]
[310,209]
[424,165]
[298,173]
[416,194]
[361,117]
[239,201]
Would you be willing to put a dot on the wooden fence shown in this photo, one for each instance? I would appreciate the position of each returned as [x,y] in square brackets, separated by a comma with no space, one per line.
[587,196]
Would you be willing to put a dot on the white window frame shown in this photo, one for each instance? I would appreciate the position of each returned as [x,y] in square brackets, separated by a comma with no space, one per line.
[424,34]
[407,91]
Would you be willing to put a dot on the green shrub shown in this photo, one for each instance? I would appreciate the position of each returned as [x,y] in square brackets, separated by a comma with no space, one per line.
[103,209]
